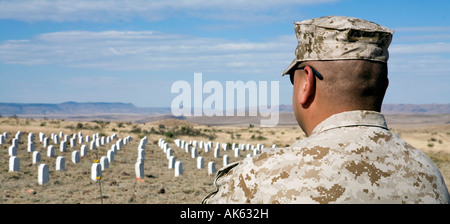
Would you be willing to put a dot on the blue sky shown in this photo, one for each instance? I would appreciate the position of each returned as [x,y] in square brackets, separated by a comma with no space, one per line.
[132,51]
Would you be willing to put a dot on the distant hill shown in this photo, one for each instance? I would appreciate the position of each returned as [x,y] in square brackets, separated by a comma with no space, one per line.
[101,108]
[416,109]
[401,108]
[74,108]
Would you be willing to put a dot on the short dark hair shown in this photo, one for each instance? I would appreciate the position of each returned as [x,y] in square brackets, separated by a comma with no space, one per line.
[356,83]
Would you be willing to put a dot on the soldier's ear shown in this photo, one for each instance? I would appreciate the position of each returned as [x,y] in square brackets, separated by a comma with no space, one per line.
[308,86]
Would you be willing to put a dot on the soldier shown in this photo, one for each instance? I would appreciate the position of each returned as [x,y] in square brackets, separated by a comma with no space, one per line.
[339,78]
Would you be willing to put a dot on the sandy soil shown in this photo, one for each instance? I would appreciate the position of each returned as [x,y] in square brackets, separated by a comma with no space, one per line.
[159,186]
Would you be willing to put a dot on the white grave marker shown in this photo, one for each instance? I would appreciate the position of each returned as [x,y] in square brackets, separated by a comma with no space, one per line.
[110,155]
[62,146]
[178,168]
[75,157]
[73,142]
[237,152]
[60,163]
[114,148]
[56,139]
[200,163]
[18,134]
[169,153]
[104,162]
[172,160]
[14,164]
[139,168]
[30,147]
[226,160]
[15,142]
[45,142]
[43,174]
[141,153]
[96,171]
[216,153]
[50,151]
[211,168]
[119,144]
[92,145]
[36,157]
[12,151]
[83,150]
[225,146]
[30,137]
[194,153]
[41,136]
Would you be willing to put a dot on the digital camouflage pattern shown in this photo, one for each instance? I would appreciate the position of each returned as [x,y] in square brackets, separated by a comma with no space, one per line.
[340,38]
[351,157]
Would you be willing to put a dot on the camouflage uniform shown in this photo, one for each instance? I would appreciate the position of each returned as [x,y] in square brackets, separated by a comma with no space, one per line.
[351,157]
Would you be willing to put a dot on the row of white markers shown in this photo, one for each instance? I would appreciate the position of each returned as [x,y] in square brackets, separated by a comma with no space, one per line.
[103,163]
[43,169]
[192,146]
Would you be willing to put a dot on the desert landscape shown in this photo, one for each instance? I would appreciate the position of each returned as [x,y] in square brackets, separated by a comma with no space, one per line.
[118,183]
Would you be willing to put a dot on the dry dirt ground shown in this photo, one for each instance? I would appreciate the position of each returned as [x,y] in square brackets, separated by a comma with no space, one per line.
[159,186]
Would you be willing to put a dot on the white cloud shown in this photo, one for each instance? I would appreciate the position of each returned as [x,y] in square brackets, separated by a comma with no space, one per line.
[427,58]
[427,48]
[422,34]
[106,10]
[158,51]
[149,51]
[419,49]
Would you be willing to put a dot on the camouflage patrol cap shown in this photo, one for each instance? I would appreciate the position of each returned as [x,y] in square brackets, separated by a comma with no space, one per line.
[340,38]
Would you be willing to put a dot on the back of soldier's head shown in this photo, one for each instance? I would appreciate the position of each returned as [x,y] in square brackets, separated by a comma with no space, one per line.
[350,53]
[356,84]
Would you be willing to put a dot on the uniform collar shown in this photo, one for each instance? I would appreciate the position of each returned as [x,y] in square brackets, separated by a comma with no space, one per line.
[351,118]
